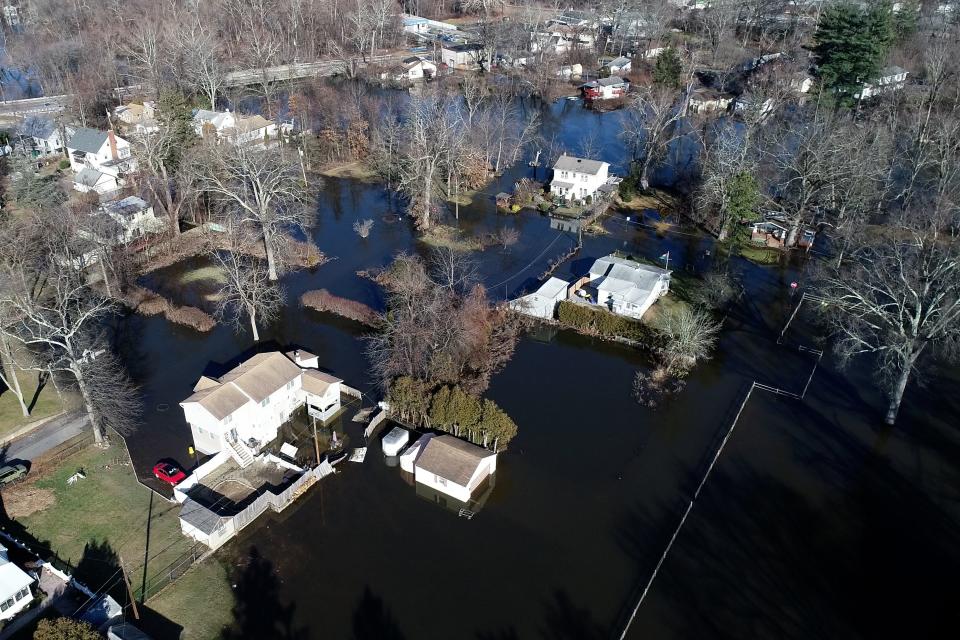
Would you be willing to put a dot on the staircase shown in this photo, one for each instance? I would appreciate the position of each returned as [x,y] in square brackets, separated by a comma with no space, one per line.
[240,452]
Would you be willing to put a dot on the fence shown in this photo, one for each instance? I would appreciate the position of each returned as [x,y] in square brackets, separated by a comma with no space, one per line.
[158,581]
[716,456]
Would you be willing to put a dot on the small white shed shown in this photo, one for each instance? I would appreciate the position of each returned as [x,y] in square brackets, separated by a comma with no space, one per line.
[453,466]
[542,303]
[395,440]
[409,457]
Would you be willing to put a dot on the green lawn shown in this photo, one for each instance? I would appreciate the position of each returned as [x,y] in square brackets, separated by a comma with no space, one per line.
[761,255]
[108,509]
[48,404]
[200,600]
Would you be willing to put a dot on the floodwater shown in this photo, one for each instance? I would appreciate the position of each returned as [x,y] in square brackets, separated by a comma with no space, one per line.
[816,522]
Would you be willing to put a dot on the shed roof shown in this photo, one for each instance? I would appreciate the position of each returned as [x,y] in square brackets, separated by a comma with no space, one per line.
[581,165]
[125,631]
[198,516]
[87,140]
[452,459]
[553,288]
[88,177]
[619,62]
[12,579]
[127,207]
[611,81]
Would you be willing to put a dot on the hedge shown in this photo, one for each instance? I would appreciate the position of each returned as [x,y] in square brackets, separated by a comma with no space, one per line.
[596,321]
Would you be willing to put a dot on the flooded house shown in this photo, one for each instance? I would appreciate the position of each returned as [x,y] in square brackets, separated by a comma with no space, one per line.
[453,466]
[623,286]
[15,583]
[543,302]
[576,178]
[605,88]
[706,100]
[242,410]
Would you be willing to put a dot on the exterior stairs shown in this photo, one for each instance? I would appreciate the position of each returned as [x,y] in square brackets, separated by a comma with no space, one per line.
[240,452]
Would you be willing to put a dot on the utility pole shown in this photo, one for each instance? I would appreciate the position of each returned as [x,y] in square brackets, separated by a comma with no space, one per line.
[126,582]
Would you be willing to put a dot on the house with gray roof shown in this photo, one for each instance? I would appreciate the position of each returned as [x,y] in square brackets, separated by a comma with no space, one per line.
[452,466]
[103,152]
[241,411]
[626,287]
[576,178]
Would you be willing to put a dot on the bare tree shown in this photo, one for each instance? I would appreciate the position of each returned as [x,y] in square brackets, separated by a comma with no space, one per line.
[651,125]
[897,298]
[49,310]
[363,227]
[258,187]
[248,290]
[203,68]
[8,372]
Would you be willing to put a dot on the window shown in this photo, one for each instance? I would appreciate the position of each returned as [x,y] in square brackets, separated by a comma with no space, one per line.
[19,596]
[227,420]
[290,385]
[441,481]
[265,402]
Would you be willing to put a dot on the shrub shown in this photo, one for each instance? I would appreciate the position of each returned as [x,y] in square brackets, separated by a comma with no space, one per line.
[323,300]
[191,317]
[595,321]
[63,164]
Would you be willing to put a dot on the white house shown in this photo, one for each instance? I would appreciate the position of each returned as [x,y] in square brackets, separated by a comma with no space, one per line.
[605,88]
[560,39]
[93,152]
[626,287]
[416,68]
[134,218]
[576,178]
[890,79]
[705,100]
[242,410]
[462,56]
[415,24]
[236,129]
[542,303]
[453,466]
[15,594]
[43,135]
[618,65]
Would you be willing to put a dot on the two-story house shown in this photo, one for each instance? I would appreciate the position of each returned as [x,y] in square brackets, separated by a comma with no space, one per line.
[101,160]
[576,178]
[242,410]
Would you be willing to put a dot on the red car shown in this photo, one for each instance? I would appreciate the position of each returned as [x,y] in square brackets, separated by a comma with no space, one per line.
[169,473]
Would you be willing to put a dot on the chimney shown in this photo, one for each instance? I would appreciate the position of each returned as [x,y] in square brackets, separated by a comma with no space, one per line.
[113,145]
[296,356]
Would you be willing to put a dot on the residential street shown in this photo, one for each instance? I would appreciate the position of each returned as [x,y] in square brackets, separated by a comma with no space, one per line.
[47,437]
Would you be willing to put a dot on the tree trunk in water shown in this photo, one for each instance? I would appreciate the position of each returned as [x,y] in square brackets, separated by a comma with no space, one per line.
[253,325]
[271,259]
[896,396]
[644,173]
[97,433]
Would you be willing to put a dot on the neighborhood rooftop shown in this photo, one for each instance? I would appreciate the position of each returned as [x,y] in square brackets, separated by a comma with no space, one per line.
[87,140]
[580,165]
[452,458]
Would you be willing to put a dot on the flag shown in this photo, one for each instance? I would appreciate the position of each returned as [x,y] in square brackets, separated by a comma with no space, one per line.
[665,256]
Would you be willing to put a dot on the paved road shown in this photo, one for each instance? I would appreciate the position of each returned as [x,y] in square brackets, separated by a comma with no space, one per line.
[49,436]
[49,104]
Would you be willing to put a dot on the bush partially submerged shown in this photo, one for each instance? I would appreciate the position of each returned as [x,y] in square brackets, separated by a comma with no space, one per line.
[150,303]
[323,300]
[599,322]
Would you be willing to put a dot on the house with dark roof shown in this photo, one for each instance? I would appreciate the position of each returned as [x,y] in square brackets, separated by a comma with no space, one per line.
[452,466]
[42,135]
[101,160]
[462,56]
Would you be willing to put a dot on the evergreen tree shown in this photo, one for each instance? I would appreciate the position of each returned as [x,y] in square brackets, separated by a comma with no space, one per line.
[851,45]
[667,70]
[30,190]
[65,629]
[175,117]
[905,19]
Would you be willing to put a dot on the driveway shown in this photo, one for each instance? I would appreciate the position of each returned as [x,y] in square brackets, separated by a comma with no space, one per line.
[48,436]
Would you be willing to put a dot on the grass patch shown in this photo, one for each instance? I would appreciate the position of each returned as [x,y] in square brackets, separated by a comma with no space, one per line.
[444,236]
[108,507]
[48,404]
[761,255]
[655,199]
[200,600]
[353,170]
[210,272]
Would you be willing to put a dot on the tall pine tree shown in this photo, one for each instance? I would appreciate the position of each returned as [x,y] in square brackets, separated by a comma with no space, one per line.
[851,46]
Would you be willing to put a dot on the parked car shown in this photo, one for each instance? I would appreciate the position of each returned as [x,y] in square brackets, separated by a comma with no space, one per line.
[12,472]
[169,473]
